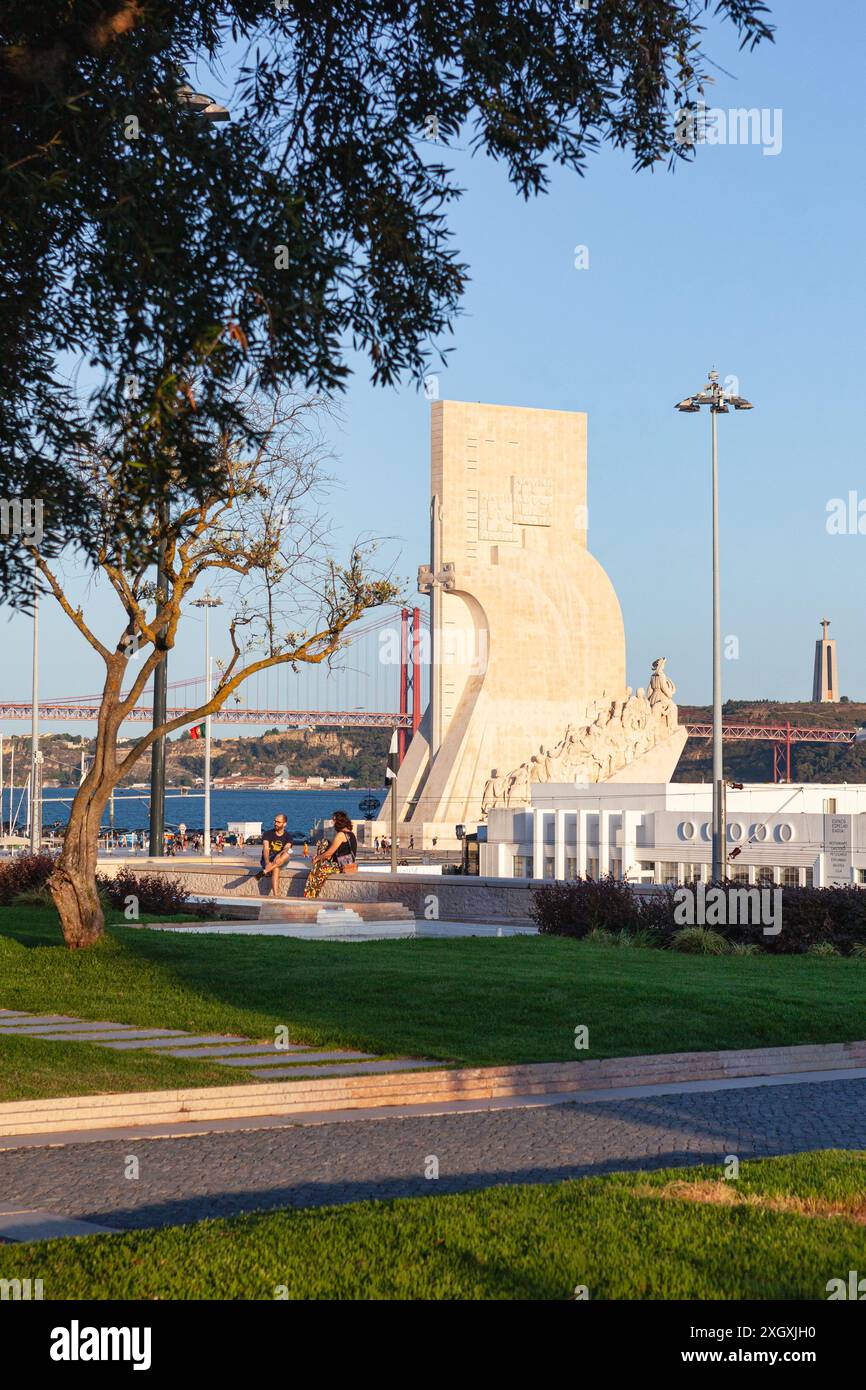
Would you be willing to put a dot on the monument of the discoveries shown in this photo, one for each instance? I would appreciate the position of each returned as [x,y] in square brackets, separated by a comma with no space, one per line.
[528,650]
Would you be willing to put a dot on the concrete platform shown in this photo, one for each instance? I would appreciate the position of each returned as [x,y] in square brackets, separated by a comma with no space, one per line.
[337,929]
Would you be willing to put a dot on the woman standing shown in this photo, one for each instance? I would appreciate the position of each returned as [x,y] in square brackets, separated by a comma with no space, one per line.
[336,857]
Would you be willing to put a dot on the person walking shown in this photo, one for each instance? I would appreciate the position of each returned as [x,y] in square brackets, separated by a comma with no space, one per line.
[338,856]
[276,848]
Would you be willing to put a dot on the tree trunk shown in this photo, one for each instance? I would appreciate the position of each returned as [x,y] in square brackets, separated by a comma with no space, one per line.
[73,883]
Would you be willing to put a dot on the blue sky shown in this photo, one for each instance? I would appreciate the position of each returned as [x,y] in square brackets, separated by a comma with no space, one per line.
[746,261]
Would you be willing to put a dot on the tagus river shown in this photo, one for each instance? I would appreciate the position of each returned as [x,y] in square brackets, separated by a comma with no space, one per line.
[132,808]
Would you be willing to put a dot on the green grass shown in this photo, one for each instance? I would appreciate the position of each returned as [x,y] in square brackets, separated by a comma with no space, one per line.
[622,1237]
[477,1001]
[34,1068]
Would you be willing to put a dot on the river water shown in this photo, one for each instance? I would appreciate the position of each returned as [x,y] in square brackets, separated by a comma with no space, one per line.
[132,808]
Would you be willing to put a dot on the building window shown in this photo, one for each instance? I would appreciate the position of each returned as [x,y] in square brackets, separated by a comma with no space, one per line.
[861,875]
[523,866]
[549,868]
[739,874]
[591,867]
[790,877]
[691,873]
[764,874]
[669,873]
[809,877]
[830,806]
[570,867]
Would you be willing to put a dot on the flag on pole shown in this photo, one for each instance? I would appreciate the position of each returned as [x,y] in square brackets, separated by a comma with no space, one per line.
[197,731]
[393,759]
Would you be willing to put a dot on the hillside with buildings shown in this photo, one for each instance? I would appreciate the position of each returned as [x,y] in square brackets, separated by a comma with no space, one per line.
[351,758]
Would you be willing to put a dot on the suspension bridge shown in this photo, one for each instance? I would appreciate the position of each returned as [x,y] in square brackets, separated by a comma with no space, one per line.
[379,679]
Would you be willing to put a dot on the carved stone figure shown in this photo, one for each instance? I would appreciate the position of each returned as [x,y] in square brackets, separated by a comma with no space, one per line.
[610,735]
[660,693]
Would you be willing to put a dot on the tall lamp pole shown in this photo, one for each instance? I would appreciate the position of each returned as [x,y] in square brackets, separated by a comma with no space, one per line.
[207,602]
[719,402]
[209,110]
[391,775]
[35,756]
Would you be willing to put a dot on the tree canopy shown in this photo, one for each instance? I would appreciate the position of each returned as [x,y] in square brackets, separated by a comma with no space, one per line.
[176,257]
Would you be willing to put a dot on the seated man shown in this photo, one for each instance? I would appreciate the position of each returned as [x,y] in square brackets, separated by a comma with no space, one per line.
[276,848]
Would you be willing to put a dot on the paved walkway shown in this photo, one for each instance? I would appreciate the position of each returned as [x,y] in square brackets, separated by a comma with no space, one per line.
[267,1060]
[223,1174]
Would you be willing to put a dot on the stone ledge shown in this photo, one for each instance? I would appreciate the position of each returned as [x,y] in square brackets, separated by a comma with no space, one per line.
[251,1100]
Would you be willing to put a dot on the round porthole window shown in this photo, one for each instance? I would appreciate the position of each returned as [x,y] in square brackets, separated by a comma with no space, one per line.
[687,830]
[735,831]
[706,831]
[759,832]
[785,832]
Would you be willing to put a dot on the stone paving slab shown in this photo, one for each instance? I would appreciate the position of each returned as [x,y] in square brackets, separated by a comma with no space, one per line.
[45,1225]
[136,1037]
[62,1030]
[28,1021]
[266,1055]
[225,1050]
[188,1041]
[39,1019]
[142,1035]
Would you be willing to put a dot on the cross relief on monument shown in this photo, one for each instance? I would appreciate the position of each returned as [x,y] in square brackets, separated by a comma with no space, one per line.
[530,503]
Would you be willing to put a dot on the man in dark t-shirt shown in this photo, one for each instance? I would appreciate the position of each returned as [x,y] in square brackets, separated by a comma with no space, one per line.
[276,848]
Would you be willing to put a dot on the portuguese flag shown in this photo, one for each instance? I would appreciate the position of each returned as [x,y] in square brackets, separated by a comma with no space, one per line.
[197,731]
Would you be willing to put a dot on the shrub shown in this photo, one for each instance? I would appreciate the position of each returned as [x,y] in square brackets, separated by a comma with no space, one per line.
[155,893]
[699,941]
[578,907]
[822,948]
[26,873]
[32,897]
[645,939]
[600,937]
[810,917]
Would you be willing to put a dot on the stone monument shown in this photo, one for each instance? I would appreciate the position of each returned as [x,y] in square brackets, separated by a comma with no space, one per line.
[528,648]
[825,680]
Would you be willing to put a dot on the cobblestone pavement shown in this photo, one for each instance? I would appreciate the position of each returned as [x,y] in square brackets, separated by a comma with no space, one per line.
[222,1174]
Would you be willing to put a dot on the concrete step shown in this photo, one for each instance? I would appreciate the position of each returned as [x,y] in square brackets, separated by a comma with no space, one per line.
[312,910]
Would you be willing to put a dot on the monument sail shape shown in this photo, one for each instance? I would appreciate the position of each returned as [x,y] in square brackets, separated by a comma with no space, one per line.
[528,648]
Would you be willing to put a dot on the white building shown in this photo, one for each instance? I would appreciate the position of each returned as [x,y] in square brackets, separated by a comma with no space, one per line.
[790,833]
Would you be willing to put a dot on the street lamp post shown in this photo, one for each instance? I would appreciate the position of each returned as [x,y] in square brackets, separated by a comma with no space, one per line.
[207,602]
[209,110]
[35,755]
[391,775]
[719,402]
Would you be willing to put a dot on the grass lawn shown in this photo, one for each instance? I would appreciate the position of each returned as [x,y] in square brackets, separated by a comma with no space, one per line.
[784,1229]
[33,1068]
[477,1001]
